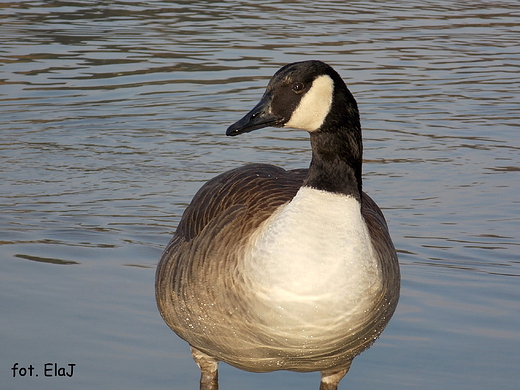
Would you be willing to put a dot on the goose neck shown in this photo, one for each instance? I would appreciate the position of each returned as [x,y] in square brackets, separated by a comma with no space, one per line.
[336,162]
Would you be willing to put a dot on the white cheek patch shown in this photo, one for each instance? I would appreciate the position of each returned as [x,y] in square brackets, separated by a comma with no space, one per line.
[314,106]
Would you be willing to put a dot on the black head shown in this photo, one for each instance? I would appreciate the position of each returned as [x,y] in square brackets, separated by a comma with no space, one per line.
[299,95]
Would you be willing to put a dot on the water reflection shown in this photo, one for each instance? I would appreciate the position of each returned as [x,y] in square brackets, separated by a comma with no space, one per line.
[45,260]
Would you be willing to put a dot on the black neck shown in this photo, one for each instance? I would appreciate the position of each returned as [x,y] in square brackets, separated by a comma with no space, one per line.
[337,154]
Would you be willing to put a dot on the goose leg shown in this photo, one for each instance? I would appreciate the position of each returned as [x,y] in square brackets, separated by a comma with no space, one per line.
[330,378]
[208,369]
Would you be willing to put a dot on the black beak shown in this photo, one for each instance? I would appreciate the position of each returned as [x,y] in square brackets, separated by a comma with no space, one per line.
[257,118]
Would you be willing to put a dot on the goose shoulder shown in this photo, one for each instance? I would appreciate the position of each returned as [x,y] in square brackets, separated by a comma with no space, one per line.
[381,242]
[259,189]
[255,189]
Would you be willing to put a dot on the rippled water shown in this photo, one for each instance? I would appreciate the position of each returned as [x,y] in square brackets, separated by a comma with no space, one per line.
[112,115]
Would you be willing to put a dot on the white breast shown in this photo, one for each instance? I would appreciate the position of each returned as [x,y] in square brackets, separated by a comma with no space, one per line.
[311,266]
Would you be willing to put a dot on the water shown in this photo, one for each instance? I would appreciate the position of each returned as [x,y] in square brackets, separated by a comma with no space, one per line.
[112,115]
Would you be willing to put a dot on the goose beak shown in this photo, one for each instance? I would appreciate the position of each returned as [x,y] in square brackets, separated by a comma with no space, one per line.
[257,118]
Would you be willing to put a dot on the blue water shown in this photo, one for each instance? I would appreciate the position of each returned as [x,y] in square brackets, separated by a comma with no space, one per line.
[112,115]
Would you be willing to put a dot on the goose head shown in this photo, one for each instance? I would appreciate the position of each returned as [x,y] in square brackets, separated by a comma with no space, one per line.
[308,95]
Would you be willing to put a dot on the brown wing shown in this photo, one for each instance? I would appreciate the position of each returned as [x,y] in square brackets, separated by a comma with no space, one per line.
[388,261]
[195,265]
[381,241]
[257,189]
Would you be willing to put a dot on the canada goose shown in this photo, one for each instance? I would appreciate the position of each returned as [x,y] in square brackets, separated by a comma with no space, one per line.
[284,270]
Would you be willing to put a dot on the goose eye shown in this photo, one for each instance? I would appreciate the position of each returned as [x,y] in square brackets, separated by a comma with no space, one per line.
[297,87]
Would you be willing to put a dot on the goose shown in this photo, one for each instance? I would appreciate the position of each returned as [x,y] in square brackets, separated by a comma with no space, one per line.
[272,269]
